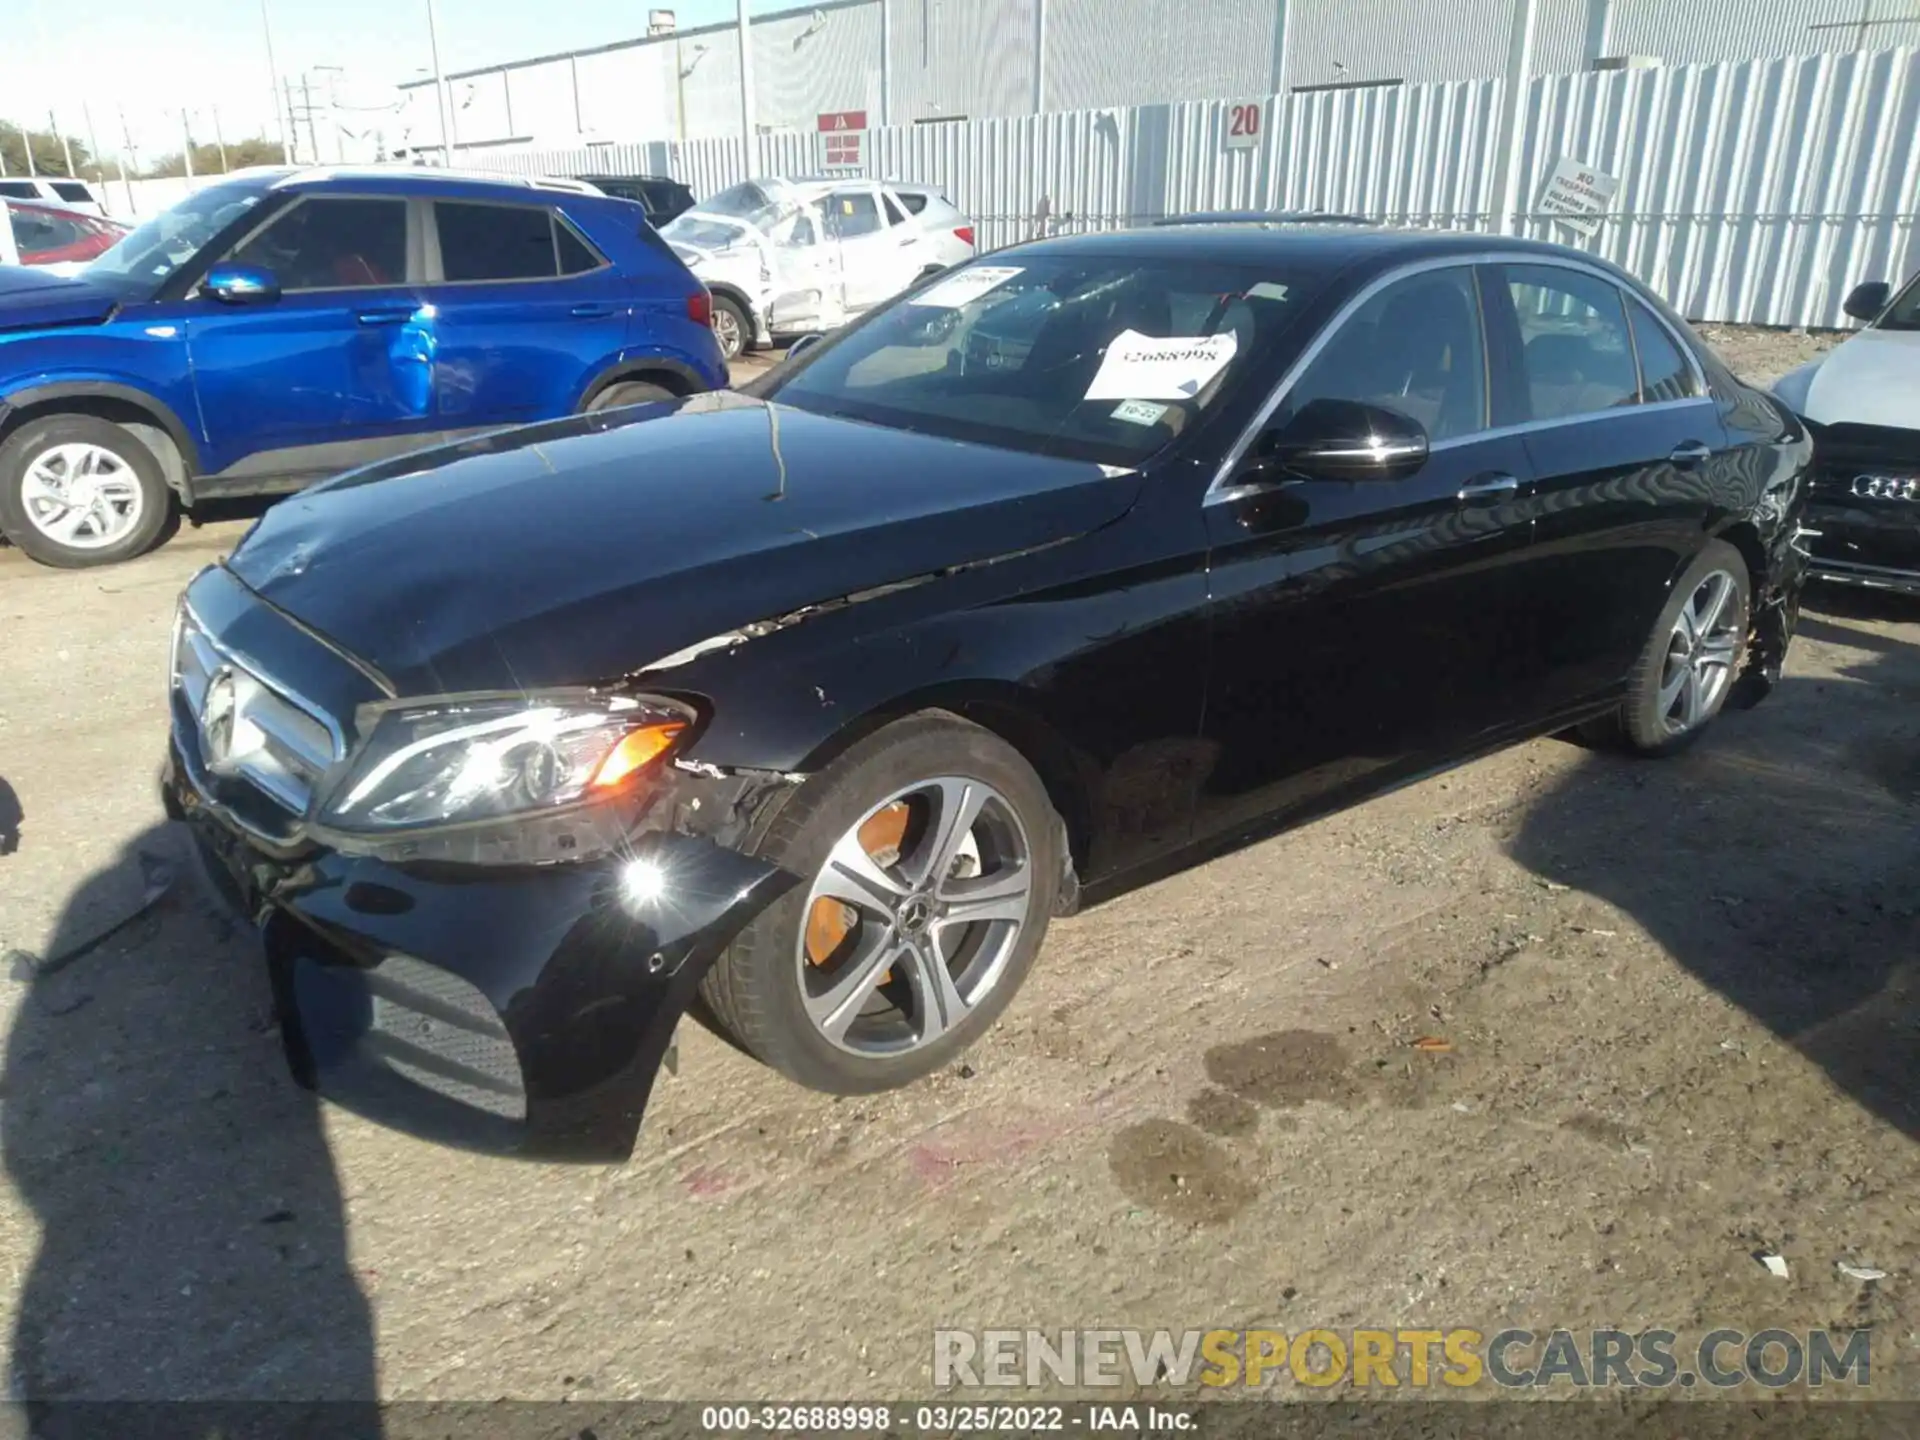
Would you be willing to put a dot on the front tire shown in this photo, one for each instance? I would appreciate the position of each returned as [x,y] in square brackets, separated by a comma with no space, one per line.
[1693,658]
[77,491]
[930,859]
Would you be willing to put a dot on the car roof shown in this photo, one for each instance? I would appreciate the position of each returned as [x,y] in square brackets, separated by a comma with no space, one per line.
[1319,246]
[284,177]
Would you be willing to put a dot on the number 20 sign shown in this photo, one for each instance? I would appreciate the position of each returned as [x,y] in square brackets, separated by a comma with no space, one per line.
[1244,121]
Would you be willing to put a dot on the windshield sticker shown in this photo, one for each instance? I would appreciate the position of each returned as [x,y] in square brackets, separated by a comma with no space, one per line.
[1150,367]
[967,286]
[1139,412]
[1267,290]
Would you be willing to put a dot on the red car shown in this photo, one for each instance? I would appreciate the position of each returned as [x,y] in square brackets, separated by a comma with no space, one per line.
[54,235]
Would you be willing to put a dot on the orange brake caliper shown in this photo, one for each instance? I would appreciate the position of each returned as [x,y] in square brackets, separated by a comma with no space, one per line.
[830,922]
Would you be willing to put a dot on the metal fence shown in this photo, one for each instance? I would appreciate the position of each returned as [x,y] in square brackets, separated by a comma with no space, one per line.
[1756,192]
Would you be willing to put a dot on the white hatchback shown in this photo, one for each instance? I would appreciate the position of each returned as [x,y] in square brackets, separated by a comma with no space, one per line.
[788,257]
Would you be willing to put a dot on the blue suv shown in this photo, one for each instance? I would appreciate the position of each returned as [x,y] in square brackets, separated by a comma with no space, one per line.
[283,326]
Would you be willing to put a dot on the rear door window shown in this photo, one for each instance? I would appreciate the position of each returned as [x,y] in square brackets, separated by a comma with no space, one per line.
[495,242]
[576,255]
[73,192]
[1665,374]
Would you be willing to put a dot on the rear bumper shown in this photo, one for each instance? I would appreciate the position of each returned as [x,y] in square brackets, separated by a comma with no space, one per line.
[522,1012]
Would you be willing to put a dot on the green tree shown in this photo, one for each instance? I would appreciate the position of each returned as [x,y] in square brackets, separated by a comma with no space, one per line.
[49,156]
[206,158]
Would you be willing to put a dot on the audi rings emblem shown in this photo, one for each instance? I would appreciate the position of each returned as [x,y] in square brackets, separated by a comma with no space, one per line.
[1887,487]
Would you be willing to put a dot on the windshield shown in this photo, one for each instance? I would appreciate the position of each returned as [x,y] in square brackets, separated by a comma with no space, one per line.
[1904,312]
[745,201]
[1107,359]
[702,233]
[136,267]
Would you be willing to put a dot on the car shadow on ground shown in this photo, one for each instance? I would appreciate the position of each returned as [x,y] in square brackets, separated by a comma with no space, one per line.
[1779,863]
[11,818]
[193,1241]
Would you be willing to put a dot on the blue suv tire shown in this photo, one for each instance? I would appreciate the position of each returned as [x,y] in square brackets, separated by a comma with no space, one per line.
[76,491]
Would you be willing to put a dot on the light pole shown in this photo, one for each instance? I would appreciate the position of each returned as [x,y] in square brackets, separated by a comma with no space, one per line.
[440,86]
[746,94]
[273,88]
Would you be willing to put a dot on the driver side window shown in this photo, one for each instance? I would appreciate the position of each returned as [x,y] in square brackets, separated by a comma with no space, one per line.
[1417,347]
[324,243]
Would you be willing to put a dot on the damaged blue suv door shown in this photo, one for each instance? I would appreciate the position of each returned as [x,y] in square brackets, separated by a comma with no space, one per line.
[283,326]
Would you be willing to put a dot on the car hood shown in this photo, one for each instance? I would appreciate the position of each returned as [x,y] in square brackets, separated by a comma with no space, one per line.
[33,299]
[1870,380]
[581,550]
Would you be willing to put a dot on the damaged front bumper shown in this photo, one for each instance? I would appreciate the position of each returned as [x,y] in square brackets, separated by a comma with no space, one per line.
[1870,541]
[516,1011]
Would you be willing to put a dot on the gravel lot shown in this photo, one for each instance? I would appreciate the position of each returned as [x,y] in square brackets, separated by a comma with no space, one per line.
[1679,999]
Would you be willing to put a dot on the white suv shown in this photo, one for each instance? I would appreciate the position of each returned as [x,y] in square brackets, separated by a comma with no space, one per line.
[74,194]
[787,257]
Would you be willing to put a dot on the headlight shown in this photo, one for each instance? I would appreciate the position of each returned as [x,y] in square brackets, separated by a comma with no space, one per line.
[1796,385]
[458,762]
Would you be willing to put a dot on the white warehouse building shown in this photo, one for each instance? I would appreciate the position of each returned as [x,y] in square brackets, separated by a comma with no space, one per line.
[925,61]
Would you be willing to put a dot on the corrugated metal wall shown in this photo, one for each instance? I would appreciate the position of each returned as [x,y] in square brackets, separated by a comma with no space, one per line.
[975,58]
[1141,52]
[1756,192]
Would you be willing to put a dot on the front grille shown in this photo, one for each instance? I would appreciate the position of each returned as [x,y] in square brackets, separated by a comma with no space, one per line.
[1886,487]
[245,727]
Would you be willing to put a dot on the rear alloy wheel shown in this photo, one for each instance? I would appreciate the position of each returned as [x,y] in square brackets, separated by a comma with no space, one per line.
[1693,657]
[731,327]
[76,491]
[932,861]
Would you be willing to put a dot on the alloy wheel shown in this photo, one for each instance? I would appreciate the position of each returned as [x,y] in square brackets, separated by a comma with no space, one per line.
[1702,654]
[726,329]
[81,495]
[914,916]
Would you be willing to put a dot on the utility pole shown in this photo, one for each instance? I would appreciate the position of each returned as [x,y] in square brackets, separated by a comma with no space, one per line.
[747,132]
[273,87]
[26,140]
[187,154]
[306,108]
[126,141]
[219,140]
[293,123]
[1039,56]
[1513,102]
[66,145]
[93,143]
[440,85]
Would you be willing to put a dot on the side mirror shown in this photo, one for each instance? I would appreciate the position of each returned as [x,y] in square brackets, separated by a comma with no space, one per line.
[804,344]
[1866,302]
[242,284]
[1342,440]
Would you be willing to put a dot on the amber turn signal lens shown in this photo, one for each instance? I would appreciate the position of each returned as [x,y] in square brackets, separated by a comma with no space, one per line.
[637,748]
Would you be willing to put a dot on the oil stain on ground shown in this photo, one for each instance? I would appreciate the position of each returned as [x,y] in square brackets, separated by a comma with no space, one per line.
[1284,1069]
[1175,1170]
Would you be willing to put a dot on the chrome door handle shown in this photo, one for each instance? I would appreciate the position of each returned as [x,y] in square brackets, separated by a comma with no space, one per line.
[1691,452]
[383,317]
[1487,487]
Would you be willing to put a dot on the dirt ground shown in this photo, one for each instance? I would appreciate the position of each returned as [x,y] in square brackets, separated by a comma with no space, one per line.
[1679,999]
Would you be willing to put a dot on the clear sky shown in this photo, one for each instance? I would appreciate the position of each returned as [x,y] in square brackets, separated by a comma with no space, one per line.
[153,59]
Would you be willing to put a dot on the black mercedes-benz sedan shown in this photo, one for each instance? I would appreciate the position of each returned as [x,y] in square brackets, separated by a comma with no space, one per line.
[809,706]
